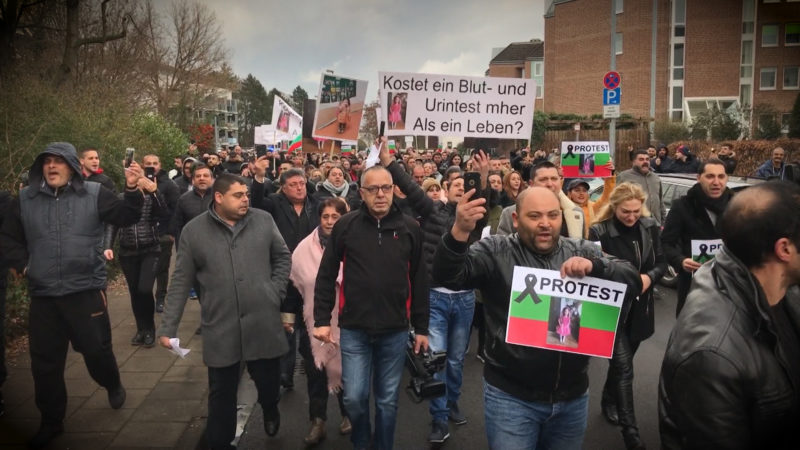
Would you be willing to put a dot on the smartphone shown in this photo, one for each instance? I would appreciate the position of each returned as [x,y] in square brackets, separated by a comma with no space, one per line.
[150,173]
[472,180]
[383,127]
[129,156]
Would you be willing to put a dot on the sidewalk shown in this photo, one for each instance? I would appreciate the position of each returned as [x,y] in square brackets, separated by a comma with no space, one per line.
[166,405]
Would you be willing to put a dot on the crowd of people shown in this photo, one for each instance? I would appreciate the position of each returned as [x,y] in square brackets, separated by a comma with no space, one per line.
[321,255]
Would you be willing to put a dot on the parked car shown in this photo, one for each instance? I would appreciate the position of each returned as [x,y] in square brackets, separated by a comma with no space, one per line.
[673,187]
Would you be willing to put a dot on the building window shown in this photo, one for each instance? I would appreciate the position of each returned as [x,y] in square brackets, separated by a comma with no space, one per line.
[677,97]
[537,69]
[748,16]
[539,93]
[680,12]
[619,6]
[790,78]
[769,35]
[792,36]
[744,94]
[618,43]
[767,79]
[680,31]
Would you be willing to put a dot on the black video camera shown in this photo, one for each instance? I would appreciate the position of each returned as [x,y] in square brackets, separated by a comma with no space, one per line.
[422,366]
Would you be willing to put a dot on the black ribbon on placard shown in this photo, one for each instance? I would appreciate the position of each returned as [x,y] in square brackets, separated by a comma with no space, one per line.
[530,289]
[570,148]
[703,252]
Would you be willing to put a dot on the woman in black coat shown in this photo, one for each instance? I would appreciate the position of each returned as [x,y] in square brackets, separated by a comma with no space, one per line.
[625,231]
[336,185]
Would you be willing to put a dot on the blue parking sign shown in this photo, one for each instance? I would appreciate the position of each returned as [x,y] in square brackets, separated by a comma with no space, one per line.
[611,96]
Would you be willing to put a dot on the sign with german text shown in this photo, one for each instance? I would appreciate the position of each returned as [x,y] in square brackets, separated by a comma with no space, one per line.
[585,159]
[482,107]
[573,315]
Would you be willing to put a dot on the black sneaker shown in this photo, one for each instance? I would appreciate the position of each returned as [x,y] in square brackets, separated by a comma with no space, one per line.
[159,306]
[439,432]
[138,338]
[46,433]
[116,397]
[272,423]
[455,414]
[149,338]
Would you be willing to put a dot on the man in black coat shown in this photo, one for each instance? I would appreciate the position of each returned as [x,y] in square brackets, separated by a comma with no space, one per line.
[296,215]
[693,217]
[90,168]
[731,372]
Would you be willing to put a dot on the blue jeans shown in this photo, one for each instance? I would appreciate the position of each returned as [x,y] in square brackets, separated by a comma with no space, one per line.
[378,360]
[450,322]
[512,423]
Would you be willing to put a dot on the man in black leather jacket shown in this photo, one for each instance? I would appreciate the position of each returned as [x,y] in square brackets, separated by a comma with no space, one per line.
[532,396]
[731,372]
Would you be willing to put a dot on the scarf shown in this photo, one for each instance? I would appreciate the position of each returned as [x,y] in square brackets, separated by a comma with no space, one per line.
[715,205]
[338,192]
[323,239]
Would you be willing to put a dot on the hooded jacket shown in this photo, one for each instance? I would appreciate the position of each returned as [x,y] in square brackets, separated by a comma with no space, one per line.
[725,381]
[56,235]
[530,374]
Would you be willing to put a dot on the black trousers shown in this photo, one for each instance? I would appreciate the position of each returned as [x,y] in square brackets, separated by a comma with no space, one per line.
[316,379]
[618,389]
[162,270]
[80,318]
[140,273]
[223,383]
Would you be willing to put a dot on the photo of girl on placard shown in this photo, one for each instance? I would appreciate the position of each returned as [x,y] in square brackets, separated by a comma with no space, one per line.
[397,110]
[564,322]
[586,164]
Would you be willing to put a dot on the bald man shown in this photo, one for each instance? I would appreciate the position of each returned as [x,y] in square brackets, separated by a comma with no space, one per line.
[533,397]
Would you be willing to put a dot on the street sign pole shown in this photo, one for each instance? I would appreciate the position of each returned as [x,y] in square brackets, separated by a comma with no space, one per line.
[612,129]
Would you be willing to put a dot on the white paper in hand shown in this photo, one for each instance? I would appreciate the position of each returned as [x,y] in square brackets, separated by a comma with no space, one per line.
[372,159]
[176,347]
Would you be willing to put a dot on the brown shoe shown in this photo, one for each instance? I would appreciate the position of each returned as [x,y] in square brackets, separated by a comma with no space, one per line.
[345,427]
[317,432]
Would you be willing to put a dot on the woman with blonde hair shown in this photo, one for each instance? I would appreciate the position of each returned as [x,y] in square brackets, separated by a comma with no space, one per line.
[626,230]
[512,186]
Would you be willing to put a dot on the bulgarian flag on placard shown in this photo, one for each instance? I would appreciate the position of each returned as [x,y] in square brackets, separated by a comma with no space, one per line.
[585,159]
[347,150]
[563,314]
[296,144]
[392,146]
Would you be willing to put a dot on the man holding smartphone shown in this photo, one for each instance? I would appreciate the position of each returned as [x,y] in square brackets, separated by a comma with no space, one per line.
[46,237]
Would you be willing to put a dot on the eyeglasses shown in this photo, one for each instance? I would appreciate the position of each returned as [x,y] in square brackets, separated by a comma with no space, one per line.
[372,190]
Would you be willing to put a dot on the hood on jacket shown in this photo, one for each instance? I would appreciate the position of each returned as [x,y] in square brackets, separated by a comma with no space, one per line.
[64,150]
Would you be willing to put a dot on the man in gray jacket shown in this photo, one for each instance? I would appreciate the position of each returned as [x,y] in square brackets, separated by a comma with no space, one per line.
[239,263]
[642,174]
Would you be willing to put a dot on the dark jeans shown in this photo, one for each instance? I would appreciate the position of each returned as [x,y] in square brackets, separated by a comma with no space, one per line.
[288,360]
[80,318]
[162,269]
[316,379]
[140,273]
[223,383]
[479,323]
[618,389]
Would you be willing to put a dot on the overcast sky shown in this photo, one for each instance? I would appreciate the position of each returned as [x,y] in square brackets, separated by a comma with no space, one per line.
[290,43]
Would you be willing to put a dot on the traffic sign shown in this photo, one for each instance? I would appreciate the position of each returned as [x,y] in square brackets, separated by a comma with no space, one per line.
[611,80]
[611,112]
[611,96]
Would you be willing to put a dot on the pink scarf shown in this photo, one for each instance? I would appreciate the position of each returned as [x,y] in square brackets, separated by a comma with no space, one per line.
[305,265]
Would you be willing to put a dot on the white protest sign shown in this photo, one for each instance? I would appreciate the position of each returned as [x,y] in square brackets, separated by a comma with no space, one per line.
[574,315]
[705,250]
[428,104]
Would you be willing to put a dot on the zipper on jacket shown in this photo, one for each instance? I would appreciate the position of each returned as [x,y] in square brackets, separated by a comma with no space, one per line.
[379,233]
[58,240]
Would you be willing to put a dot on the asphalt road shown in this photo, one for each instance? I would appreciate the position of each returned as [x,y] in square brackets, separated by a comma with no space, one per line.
[413,422]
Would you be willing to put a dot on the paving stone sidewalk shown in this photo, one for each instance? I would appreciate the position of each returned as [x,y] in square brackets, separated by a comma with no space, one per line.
[166,405]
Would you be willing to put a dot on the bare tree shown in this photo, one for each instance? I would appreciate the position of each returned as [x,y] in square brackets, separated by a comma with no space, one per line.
[184,56]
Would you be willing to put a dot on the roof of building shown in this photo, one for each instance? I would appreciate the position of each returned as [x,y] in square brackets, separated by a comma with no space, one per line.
[520,51]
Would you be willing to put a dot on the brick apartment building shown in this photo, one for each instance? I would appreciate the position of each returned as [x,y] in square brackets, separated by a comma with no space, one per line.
[676,58]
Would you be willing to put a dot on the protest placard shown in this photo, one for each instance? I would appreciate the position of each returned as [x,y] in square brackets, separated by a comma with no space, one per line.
[585,159]
[705,250]
[285,120]
[428,104]
[340,105]
[564,314]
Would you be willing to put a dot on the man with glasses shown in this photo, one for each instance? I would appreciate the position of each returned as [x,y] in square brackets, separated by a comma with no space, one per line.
[383,284]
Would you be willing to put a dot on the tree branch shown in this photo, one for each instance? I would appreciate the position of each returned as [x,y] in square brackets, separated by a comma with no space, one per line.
[104,38]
